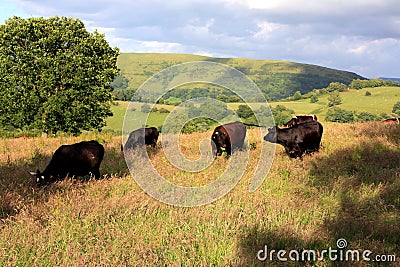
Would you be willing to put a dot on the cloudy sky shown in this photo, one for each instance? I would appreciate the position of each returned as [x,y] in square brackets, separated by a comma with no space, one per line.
[362,36]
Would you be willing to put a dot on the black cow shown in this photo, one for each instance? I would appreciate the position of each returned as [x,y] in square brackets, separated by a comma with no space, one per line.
[78,159]
[229,136]
[300,119]
[300,138]
[142,136]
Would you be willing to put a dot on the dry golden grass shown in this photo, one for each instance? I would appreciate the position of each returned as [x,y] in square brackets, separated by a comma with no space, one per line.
[350,189]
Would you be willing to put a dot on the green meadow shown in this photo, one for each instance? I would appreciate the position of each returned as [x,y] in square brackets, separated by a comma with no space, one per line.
[380,101]
[131,111]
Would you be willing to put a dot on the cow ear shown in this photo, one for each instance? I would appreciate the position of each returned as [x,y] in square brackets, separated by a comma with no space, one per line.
[37,173]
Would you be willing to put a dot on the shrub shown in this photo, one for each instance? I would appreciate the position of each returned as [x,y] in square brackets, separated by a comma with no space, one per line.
[314,99]
[366,116]
[334,99]
[282,114]
[163,110]
[297,95]
[336,114]
[244,111]
[396,108]
[145,108]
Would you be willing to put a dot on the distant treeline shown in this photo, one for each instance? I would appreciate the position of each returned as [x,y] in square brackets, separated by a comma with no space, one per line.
[177,96]
[360,84]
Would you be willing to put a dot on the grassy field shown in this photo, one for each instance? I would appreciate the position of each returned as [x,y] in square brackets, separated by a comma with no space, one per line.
[350,189]
[126,109]
[380,101]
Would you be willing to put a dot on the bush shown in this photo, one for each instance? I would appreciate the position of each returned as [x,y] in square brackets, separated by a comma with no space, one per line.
[173,101]
[368,93]
[244,111]
[145,108]
[282,114]
[366,116]
[314,99]
[336,114]
[385,116]
[163,110]
[297,95]
[396,108]
[334,99]
[336,86]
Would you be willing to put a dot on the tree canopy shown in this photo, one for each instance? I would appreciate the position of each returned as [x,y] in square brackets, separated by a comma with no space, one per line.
[54,75]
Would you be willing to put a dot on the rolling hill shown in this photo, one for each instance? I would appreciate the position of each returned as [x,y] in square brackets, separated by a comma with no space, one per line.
[277,78]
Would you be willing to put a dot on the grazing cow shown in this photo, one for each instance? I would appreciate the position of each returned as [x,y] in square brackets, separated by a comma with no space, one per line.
[78,159]
[228,136]
[392,121]
[300,119]
[300,138]
[142,136]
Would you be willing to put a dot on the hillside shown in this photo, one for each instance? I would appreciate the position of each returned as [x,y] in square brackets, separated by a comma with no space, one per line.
[277,78]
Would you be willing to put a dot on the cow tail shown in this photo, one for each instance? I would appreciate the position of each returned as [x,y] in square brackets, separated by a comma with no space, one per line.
[249,124]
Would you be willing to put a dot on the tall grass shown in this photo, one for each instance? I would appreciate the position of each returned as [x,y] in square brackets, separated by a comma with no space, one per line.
[350,189]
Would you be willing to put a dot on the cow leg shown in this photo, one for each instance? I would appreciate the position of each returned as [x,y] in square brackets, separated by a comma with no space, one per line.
[215,149]
[219,151]
[293,150]
[96,174]
[228,150]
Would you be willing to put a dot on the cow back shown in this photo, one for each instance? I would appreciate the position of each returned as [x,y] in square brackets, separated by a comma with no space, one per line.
[300,119]
[77,159]
[142,136]
[236,132]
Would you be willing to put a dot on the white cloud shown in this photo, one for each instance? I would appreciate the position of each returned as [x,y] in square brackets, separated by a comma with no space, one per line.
[358,50]
[160,47]
[358,35]
[265,29]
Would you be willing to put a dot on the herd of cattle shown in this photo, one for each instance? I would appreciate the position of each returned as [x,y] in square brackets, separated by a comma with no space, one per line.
[302,134]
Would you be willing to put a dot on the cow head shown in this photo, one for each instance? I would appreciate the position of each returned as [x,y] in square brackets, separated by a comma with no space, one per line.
[220,138]
[40,178]
[271,135]
[293,150]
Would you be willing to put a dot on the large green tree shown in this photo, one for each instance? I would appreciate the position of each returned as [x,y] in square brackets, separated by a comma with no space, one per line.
[54,75]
